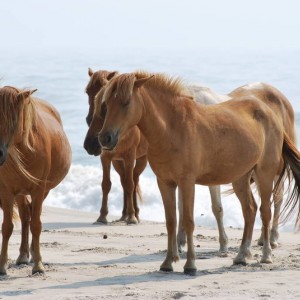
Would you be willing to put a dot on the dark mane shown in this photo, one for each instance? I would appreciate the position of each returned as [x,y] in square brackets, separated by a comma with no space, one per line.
[97,77]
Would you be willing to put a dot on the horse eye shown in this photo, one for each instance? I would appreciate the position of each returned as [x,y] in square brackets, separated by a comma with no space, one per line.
[125,103]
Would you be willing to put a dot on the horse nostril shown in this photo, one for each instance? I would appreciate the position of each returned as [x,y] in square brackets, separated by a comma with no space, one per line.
[108,139]
[105,139]
[3,154]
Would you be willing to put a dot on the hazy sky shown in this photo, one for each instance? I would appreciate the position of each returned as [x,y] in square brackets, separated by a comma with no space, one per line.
[271,24]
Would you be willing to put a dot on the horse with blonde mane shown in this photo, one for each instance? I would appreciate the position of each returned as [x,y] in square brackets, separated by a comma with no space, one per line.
[35,156]
[189,143]
[129,159]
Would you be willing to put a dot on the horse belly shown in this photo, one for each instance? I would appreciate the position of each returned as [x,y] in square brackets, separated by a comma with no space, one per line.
[227,166]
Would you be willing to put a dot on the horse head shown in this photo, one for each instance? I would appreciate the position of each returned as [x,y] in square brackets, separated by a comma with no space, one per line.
[91,143]
[97,80]
[121,101]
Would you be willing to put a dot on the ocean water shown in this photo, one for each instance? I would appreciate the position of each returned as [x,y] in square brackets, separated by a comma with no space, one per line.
[60,75]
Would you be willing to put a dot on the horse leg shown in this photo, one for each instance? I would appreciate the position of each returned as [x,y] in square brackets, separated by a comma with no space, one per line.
[265,184]
[120,168]
[187,189]
[242,190]
[181,235]
[277,199]
[169,200]
[129,188]
[217,208]
[140,166]
[7,229]
[24,208]
[106,186]
[36,228]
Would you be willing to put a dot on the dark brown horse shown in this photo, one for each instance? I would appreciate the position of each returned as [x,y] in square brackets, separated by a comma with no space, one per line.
[35,156]
[190,144]
[129,159]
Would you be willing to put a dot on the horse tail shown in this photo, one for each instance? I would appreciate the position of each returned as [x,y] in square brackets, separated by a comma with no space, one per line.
[139,193]
[291,159]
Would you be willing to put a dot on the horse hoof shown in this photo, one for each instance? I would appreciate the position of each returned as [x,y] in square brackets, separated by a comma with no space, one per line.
[260,242]
[41,272]
[23,261]
[3,273]
[100,223]
[165,269]
[223,251]
[190,271]
[239,261]
[101,220]
[133,221]
[274,245]
[267,260]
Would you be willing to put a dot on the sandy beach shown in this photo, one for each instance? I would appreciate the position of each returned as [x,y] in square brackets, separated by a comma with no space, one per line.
[117,261]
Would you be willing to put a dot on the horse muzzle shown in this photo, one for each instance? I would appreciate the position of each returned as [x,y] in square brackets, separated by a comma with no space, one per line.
[108,140]
[92,146]
[3,154]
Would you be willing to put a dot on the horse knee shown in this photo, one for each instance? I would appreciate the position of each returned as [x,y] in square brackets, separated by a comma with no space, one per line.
[106,186]
[7,229]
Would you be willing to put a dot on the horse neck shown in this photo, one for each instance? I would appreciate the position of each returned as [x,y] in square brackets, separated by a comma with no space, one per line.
[159,112]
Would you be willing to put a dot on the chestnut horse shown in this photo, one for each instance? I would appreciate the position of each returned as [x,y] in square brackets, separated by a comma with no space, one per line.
[35,156]
[129,159]
[207,96]
[190,144]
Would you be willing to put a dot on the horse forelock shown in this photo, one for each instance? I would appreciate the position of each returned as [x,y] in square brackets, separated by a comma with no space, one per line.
[120,86]
[98,101]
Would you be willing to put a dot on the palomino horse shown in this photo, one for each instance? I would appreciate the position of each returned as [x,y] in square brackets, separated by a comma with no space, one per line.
[129,159]
[35,156]
[190,144]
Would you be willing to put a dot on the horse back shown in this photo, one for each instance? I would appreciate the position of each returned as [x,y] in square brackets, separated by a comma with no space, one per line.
[274,99]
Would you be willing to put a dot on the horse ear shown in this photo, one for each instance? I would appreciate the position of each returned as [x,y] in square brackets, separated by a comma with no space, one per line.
[139,82]
[25,94]
[90,72]
[111,75]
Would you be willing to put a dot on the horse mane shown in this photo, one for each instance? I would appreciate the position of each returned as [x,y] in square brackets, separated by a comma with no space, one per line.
[169,84]
[9,109]
[122,85]
[20,119]
[97,76]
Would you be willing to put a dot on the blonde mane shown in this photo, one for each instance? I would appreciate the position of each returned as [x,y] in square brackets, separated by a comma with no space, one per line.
[172,85]
[122,85]
[20,121]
